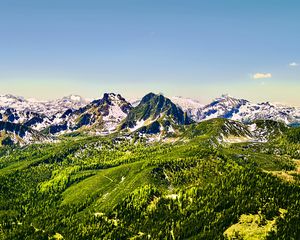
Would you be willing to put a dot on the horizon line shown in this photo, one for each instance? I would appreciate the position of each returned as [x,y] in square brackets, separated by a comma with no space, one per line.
[90,99]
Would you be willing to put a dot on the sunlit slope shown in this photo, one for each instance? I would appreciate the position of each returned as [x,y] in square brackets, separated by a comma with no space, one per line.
[123,187]
[108,187]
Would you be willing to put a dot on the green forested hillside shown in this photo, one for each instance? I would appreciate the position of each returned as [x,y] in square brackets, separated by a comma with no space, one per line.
[124,187]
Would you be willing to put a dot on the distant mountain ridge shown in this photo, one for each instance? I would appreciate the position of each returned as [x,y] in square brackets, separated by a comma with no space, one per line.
[233,108]
[245,111]
[47,108]
[153,114]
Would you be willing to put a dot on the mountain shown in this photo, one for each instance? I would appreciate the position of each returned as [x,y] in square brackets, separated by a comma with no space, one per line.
[47,108]
[245,111]
[154,114]
[65,103]
[216,179]
[233,108]
[36,114]
[102,116]
[124,188]
[223,107]
[188,105]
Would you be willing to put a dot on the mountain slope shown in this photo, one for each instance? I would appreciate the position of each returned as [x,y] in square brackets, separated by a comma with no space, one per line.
[36,114]
[108,188]
[221,130]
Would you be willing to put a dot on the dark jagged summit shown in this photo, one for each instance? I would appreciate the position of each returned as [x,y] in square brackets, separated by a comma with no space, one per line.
[158,110]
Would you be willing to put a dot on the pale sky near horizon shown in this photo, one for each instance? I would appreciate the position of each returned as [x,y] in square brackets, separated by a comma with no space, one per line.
[200,49]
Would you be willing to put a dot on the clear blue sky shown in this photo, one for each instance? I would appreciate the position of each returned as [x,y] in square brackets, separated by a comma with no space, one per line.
[199,48]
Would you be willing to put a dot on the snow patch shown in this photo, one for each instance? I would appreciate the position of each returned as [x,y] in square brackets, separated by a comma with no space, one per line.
[138,125]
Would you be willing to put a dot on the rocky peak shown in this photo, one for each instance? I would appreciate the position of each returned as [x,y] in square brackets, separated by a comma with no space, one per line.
[228,100]
[112,99]
[148,97]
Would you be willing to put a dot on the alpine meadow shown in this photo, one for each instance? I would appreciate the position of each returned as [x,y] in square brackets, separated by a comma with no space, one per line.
[137,149]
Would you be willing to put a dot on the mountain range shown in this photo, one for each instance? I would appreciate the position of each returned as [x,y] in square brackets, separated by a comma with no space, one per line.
[27,120]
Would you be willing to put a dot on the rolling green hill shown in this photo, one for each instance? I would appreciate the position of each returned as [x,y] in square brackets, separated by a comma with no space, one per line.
[198,186]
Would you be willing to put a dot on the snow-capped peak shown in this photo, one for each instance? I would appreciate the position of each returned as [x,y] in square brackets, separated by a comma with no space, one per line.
[229,101]
[186,103]
[113,97]
[105,114]
[242,110]
[35,113]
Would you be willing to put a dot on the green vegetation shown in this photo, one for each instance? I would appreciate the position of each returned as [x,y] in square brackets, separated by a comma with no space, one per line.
[123,187]
[252,227]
